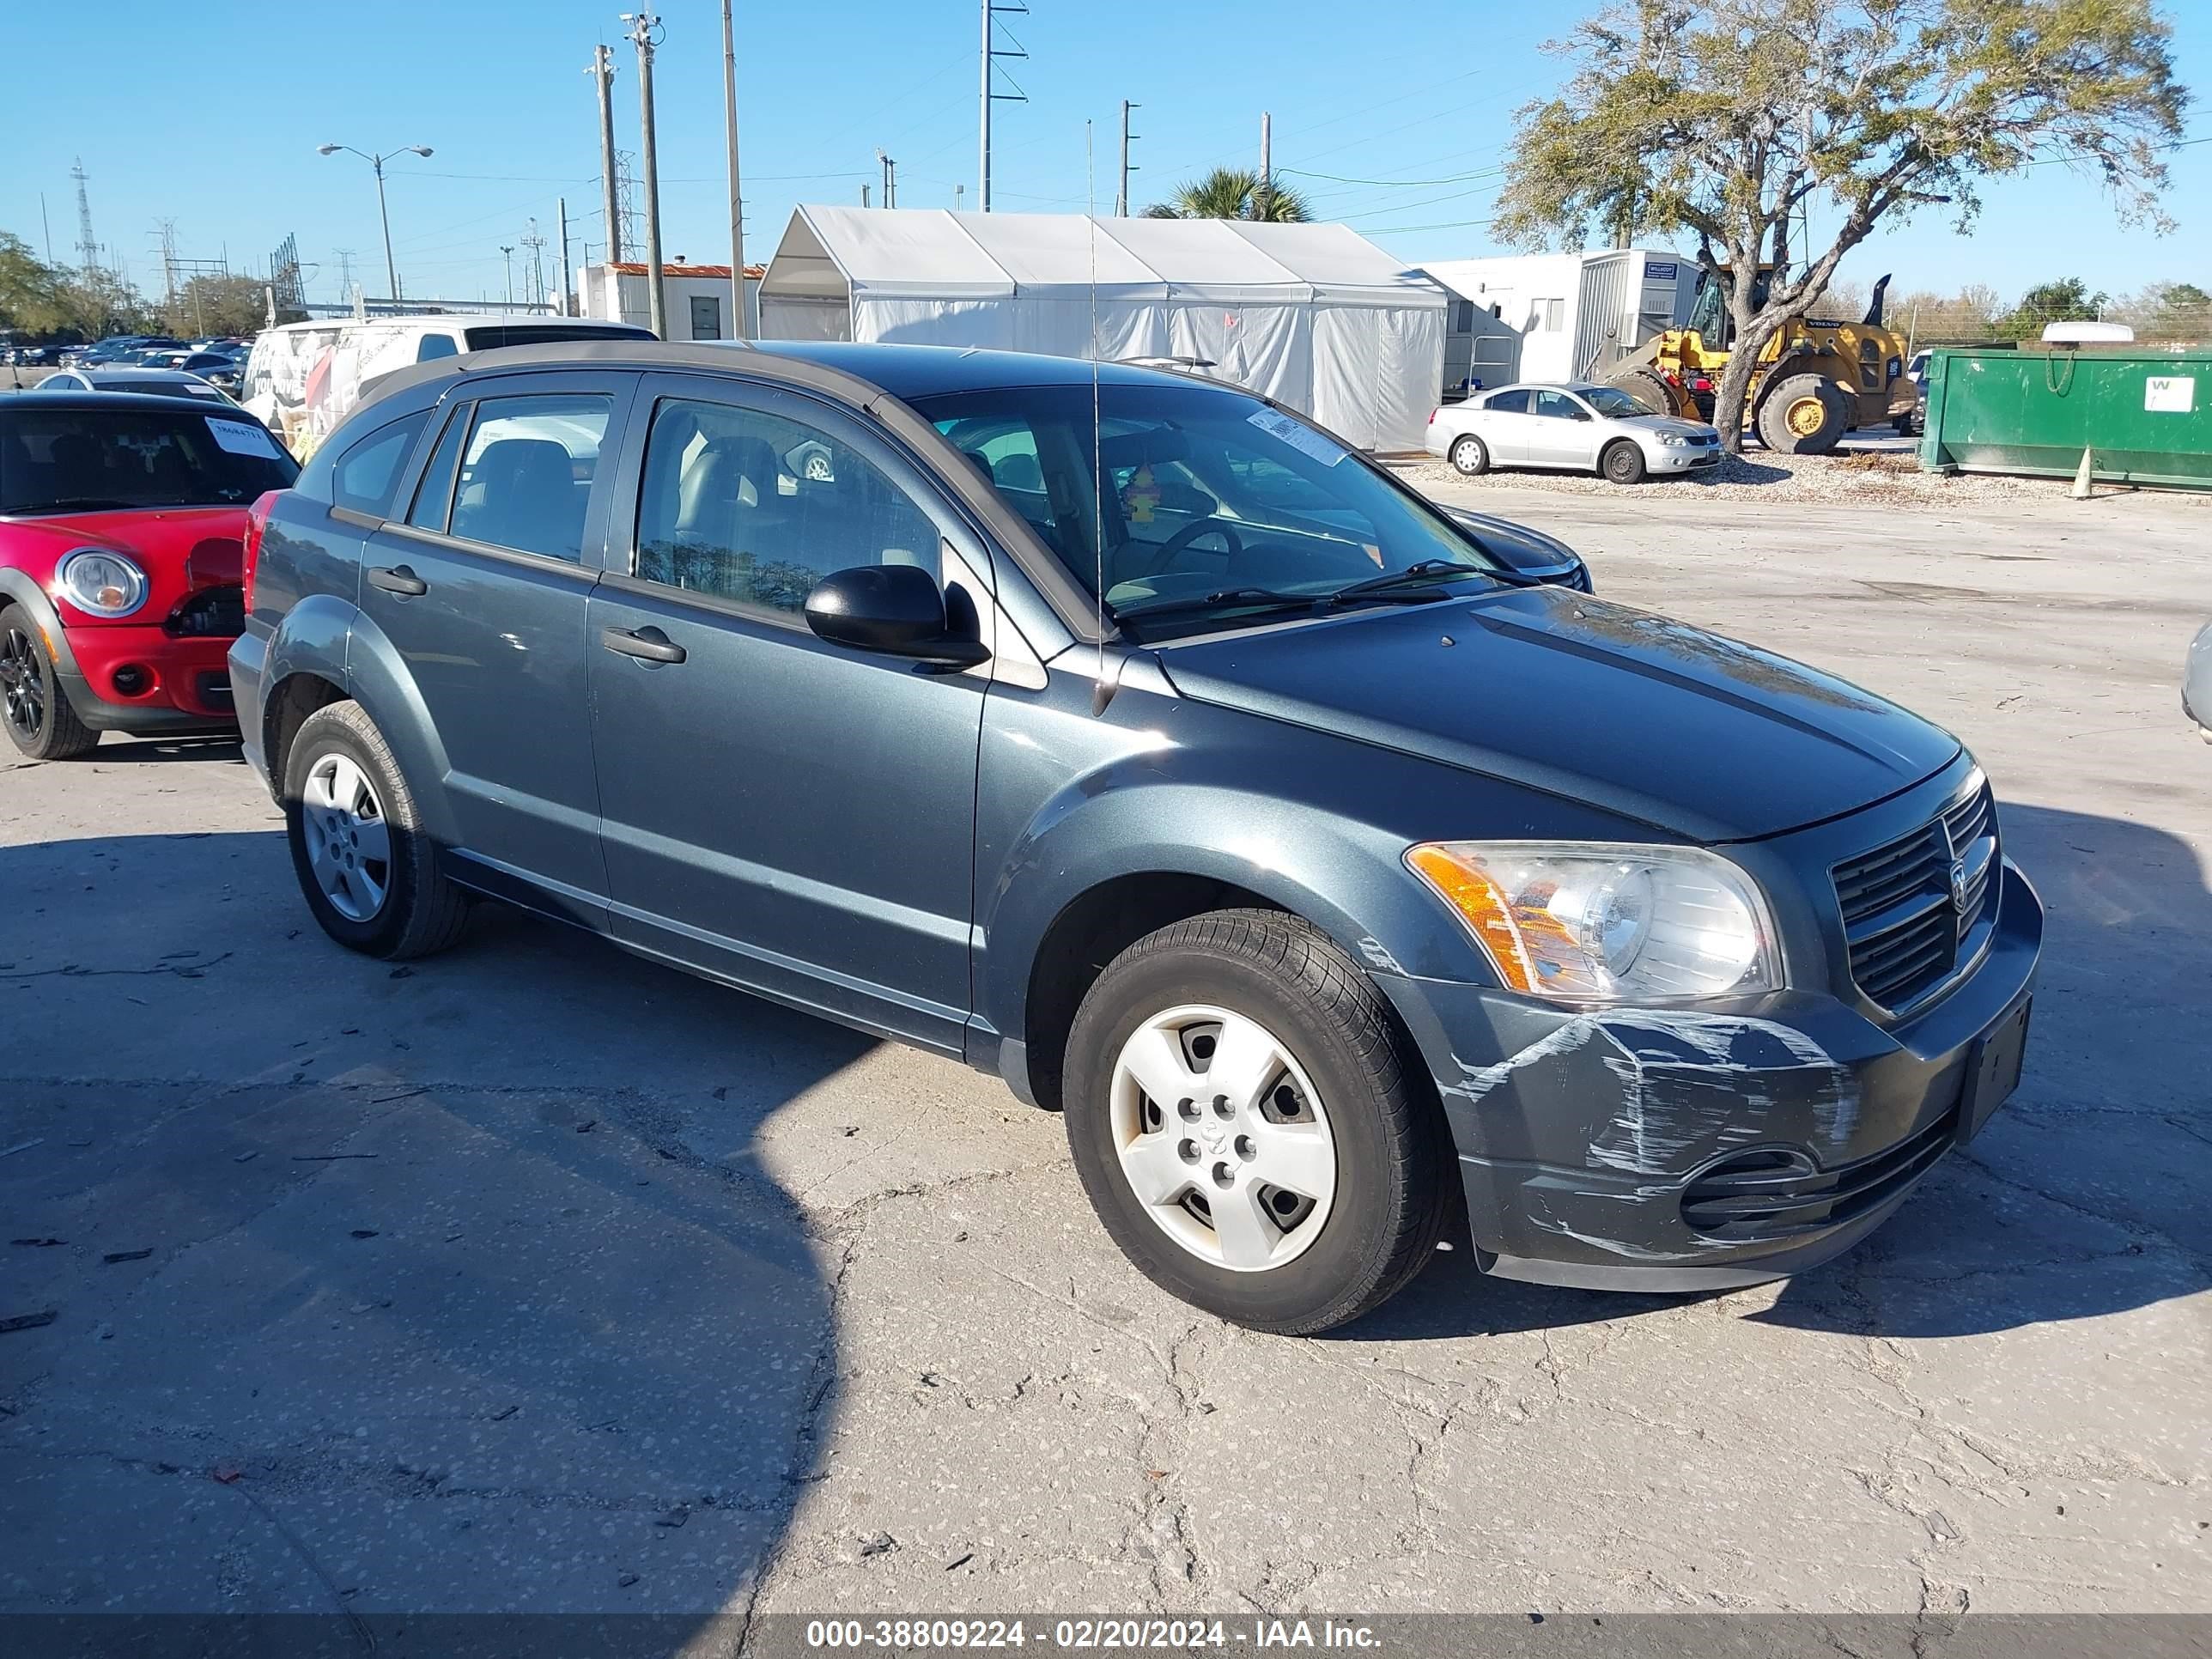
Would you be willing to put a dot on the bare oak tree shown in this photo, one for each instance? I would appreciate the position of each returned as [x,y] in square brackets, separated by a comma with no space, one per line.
[1725,117]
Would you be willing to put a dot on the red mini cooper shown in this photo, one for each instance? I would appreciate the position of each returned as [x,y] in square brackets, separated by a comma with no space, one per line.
[120,561]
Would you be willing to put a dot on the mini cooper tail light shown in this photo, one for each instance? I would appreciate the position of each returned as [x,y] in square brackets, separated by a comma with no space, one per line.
[249,557]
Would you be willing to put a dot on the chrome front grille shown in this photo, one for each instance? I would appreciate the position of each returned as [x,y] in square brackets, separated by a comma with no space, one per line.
[1908,905]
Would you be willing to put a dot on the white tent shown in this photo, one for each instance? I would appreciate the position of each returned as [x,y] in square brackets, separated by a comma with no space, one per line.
[1311,315]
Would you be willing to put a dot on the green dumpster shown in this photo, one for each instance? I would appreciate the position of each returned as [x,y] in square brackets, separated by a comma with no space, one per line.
[2143,415]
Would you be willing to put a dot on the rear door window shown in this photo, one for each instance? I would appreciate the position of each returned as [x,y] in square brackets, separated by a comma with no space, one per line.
[527,474]
[433,496]
[1507,403]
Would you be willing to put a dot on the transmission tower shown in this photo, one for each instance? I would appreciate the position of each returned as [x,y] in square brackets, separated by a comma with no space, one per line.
[86,246]
[346,274]
[165,238]
[286,281]
[626,200]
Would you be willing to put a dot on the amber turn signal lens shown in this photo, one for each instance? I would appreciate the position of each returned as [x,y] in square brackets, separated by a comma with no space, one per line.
[1477,897]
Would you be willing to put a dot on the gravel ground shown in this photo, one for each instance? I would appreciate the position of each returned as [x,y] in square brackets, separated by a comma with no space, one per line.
[536,1277]
[1874,475]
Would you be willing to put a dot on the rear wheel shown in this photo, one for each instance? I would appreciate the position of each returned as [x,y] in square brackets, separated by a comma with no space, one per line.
[1245,1127]
[1471,455]
[1804,415]
[1622,462]
[39,720]
[369,873]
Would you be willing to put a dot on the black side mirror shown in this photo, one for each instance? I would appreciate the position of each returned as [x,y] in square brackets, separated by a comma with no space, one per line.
[898,610]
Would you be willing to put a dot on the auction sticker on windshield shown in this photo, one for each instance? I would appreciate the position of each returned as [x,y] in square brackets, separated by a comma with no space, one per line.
[1297,435]
[243,438]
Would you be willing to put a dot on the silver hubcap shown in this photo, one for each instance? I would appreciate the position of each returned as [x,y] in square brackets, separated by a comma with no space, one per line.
[349,843]
[1468,455]
[1222,1139]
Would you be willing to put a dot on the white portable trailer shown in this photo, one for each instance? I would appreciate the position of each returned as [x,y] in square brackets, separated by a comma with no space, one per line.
[1556,316]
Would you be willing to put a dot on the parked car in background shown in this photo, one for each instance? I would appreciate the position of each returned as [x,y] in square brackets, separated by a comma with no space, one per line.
[225,370]
[166,382]
[118,349]
[2196,682]
[1334,878]
[303,379]
[31,356]
[120,562]
[1581,428]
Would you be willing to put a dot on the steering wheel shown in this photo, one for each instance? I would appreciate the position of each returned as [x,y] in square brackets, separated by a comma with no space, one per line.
[1190,532]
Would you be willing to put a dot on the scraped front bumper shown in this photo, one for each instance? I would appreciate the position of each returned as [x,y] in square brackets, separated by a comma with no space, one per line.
[1677,1149]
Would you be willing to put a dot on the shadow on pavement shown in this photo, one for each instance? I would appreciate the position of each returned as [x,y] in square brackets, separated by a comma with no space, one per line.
[2084,1196]
[454,1285]
[154,752]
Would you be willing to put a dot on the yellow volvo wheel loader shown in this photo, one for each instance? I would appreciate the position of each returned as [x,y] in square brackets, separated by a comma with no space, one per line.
[1817,379]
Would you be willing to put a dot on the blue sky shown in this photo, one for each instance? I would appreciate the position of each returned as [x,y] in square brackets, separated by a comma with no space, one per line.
[210,115]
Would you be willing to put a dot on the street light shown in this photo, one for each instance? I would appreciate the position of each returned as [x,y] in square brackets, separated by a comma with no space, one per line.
[376,163]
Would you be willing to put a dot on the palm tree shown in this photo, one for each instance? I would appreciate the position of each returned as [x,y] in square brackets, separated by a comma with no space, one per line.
[1227,193]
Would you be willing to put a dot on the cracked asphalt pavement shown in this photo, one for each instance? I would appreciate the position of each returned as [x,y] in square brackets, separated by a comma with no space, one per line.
[535,1277]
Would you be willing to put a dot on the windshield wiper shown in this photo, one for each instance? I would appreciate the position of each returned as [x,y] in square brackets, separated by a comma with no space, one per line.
[1391,585]
[74,504]
[1219,599]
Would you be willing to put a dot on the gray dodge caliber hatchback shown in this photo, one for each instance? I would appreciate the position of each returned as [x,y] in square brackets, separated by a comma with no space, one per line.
[1348,891]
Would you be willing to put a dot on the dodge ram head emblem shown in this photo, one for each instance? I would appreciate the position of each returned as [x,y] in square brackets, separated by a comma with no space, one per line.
[1959,885]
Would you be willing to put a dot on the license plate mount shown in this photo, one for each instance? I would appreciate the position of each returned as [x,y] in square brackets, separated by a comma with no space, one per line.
[1993,1070]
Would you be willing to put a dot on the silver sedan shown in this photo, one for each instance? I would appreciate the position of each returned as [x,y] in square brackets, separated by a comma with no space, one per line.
[1586,429]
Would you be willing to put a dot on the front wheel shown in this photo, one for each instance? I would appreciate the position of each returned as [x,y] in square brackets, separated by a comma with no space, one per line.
[1246,1128]
[369,873]
[1622,463]
[1471,455]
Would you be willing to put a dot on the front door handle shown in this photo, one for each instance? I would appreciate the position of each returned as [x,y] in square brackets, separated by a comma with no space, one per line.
[646,644]
[399,579]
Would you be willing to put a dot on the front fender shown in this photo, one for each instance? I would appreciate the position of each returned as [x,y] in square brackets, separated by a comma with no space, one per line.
[1308,820]
[17,588]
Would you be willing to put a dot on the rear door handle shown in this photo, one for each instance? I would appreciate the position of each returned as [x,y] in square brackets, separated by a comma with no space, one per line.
[646,644]
[399,579]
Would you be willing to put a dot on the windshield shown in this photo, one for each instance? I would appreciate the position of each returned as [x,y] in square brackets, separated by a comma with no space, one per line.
[1210,502]
[59,459]
[1611,400]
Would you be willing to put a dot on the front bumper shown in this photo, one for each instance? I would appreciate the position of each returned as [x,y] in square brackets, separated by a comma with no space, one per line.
[1582,1136]
[140,678]
[1663,459]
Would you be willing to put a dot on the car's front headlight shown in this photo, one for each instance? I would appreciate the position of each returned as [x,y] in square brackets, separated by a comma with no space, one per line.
[1588,922]
[100,583]
[1674,440]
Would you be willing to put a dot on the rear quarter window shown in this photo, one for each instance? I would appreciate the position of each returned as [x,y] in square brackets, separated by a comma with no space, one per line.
[366,473]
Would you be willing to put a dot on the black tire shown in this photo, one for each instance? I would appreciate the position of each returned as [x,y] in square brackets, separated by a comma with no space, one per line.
[1786,423]
[1470,455]
[1396,1172]
[1622,463]
[422,913]
[32,705]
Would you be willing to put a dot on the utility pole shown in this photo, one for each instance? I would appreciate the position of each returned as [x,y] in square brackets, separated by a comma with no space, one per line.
[890,180]
[47,225]
[1017,96]
[535,244]
[1261,197]
[1121,196]
[376,165]
[603,71]
[562,206]
[641,33]
[507,252]
[864,196]
[959,196]
[739,330]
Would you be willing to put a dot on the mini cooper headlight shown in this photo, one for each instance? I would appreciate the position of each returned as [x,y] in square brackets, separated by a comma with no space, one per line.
[100,583]
[1606,923]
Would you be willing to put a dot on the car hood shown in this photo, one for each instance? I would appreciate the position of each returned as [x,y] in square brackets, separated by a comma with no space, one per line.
[1633,713]
[1529,551]
[1675,424]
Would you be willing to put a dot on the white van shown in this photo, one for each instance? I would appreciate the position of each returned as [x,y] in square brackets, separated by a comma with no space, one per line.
[304,377]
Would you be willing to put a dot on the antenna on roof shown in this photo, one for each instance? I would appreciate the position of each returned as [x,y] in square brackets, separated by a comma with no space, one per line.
[1102,693]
